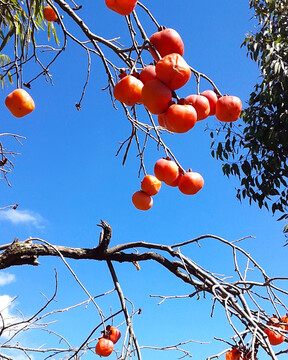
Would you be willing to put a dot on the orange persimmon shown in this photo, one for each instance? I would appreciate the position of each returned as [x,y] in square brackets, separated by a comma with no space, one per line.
[122,7]
[128,90]
[173,70]
[141,200]
[150,185]
[20,103]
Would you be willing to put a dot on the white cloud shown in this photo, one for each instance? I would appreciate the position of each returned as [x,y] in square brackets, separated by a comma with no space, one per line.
[22,217]
[6,306]
[6,278]
[8,316]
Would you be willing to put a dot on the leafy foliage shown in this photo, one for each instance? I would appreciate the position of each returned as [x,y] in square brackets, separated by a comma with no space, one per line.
[18,25]
[257,151]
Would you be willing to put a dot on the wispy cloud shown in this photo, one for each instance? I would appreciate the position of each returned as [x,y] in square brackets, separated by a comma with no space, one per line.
[21,217]
[6,278]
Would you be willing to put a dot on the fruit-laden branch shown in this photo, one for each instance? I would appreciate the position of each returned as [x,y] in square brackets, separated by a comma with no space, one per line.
[132,58]
[234,296]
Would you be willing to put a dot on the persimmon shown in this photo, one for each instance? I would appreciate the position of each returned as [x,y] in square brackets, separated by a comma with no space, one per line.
[234,354]
[275,337]
[150,185]
[166,42]
[113,333]
[148,73]
[190,183]
[166,170]
[212,98]
[49,13]
[141,200]
[200,104]
[228,108]
[156,96]
[122,7]
[104,347]
[173,70]
[284,319]
[180,118]
[128,90]
[20,103]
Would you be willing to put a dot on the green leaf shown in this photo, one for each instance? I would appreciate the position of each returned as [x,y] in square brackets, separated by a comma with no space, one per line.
[7,38]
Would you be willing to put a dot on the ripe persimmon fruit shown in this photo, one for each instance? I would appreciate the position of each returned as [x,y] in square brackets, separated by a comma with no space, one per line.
[49,13]
[166,170]
[128,90]
[284,319]
[190,183]
[275,337]
[148,73]
[141,200]
[20,103]
[234,354]
[156,96]
[200,104]
[173,70]
[122,7]
[166,42]
[212,98]
[150,185]
[113,333]
[104,347]
[228,108]
[180,118]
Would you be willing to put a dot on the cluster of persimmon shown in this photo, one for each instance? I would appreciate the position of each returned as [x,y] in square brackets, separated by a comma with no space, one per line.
[276,326]
[167,171]
[105,344]
[275,337]
[155,86]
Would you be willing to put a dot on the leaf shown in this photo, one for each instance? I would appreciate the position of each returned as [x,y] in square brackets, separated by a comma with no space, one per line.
[7,38]
[246,168]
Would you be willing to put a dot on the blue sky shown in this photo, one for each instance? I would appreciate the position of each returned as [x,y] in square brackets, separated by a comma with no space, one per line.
[68,178]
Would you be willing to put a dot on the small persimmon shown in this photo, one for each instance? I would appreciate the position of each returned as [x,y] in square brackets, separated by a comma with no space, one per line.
[234,354]
[147,73]
[141,200]
[284,319]
[166,41]
[122,7]
[150,185]
[128,90]
[166,170]
[20,103]
[113,333]
[156,96]
[200,104]
[173,70]
[180,118]
[228,108]
[104,347]
[190,183]
[49,13]
[212,98]
[275,337]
